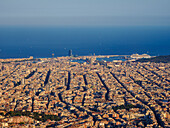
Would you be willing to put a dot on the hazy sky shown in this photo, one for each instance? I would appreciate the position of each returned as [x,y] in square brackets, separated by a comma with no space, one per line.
[84,12]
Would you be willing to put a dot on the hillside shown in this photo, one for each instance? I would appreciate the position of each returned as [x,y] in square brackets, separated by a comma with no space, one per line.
[157,59]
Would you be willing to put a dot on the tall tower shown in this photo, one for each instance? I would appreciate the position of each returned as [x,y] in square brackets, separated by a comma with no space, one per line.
[70,52]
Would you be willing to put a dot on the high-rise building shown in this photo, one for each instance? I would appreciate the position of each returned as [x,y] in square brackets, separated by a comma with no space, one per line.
[70,52]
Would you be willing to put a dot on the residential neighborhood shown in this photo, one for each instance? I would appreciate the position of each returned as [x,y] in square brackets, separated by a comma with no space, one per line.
[57,92]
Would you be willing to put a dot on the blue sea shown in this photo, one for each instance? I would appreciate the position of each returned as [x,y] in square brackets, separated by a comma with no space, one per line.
[16,42]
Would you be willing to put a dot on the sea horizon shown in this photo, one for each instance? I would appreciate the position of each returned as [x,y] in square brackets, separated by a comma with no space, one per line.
[42,42]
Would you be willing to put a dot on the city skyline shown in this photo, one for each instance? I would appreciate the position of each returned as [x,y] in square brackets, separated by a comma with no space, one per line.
[85,64]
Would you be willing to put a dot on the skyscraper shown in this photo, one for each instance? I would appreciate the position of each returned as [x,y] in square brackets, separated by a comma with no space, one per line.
[70,52]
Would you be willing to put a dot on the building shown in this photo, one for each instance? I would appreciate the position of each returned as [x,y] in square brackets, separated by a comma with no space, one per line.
[70,53]
[22,81]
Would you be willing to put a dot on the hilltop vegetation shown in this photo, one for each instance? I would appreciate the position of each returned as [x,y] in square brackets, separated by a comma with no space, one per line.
[157,59]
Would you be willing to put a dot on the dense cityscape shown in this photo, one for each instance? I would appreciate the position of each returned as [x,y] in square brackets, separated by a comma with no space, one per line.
[84,64]
[57,92]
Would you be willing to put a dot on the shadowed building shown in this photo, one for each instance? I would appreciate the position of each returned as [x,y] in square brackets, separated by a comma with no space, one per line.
[70,53]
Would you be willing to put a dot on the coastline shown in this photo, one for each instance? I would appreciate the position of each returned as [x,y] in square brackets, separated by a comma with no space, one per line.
[31,58]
